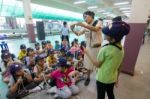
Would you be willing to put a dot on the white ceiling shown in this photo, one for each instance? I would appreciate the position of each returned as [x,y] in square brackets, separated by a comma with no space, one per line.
[107,5]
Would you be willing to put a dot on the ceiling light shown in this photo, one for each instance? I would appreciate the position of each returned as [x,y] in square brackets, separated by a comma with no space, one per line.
[111,15]
[80,2]
[129,11]
[106,13]
[101,11]
[127,8]
[121,3]
[127,14]
[92,7]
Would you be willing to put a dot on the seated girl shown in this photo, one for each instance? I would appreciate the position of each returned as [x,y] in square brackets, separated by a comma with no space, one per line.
[70,58]
[22,53]
[79,66]
[65,44]
[74,48]
[49,45]
[57,46]
[7,59]
[30,59]
[37,48]
[51,59]
[62,53]
[65,88]
[20,81]
[39,68]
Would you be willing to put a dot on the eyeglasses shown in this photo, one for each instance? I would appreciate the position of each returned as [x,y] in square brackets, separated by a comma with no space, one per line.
[85,16]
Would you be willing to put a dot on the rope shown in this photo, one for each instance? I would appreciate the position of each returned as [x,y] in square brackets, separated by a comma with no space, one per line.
[45,81]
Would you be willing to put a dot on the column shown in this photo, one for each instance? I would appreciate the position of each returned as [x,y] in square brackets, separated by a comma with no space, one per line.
[29,20]
[11,21]
[137,21]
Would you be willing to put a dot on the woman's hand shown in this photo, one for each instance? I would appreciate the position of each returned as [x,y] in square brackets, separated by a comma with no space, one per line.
[85,50]
[80,24]
[72,27]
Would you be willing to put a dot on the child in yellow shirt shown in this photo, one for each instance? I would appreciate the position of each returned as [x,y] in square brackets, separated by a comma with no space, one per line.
[49,45]
[51,59]
[22,53]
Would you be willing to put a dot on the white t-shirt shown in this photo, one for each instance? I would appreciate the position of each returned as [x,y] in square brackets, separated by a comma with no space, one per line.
[64,30]
[28,60]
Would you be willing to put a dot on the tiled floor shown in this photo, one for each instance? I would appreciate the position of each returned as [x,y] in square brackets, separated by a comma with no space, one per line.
[136,87]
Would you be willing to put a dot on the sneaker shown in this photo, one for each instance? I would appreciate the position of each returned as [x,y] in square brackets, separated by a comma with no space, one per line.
[52,90]
[87,81]
[56,96]
[36,89]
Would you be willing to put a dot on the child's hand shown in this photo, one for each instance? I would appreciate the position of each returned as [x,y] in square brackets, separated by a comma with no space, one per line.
[19,80]
[117,83]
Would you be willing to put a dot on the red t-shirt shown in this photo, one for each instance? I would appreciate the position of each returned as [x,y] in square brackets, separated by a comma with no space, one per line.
[62,79]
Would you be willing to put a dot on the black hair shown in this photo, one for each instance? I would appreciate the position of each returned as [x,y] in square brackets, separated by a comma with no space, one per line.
[3,55]
[37,44]
[118,18]
[29,50]
[90,13]
[56,41]
[101,19]
[64,23]
[72,43]
[48,41]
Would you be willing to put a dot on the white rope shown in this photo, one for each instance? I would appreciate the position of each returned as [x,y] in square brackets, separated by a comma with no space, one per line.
[45,81]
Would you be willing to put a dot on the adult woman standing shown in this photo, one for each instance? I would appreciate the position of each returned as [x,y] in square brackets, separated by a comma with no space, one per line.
[93,35]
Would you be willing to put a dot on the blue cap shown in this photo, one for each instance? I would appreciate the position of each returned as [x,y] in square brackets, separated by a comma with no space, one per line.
[118,18]
[40,57]
[29,49]
[69,54]
[13,68]
[37,44]
[117,30]
[50,51]
[62,62]
[44,42]
[62,49]
[22,46]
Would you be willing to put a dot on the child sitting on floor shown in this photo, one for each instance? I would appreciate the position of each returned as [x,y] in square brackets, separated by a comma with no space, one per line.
[22,53]
[49,45]
[57,46]
[40,67]
[30,59]
[70,58]
[37,48]
[20,81]
[64,86]
[74,48]
[65,44]
[7,59]
[62,52]
[51,59]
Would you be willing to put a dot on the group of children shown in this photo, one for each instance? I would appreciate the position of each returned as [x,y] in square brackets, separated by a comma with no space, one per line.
[59,68]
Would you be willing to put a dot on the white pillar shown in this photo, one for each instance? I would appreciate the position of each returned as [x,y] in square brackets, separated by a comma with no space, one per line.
[137,21]
[28,20]
[140,10]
